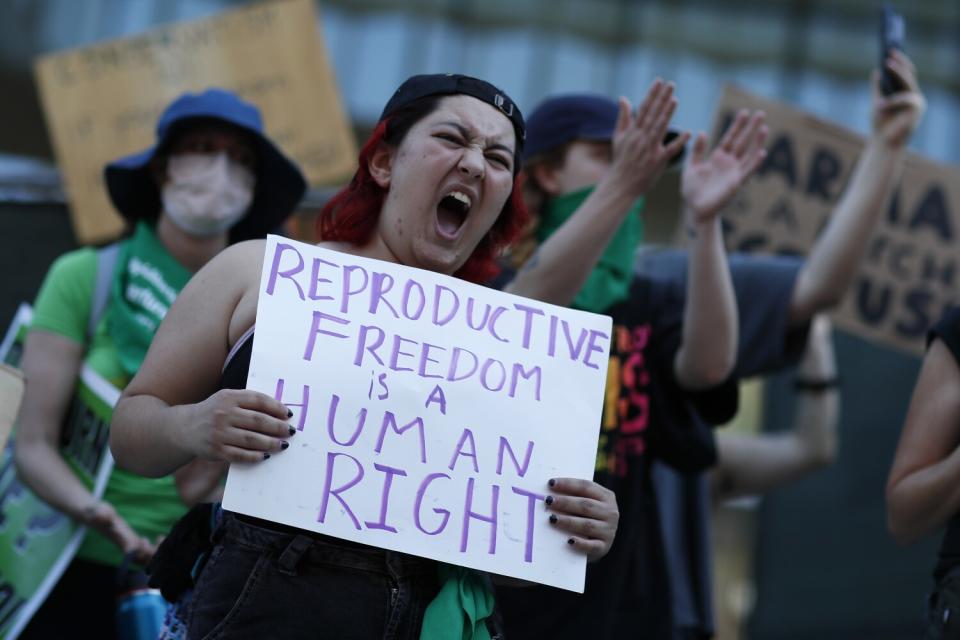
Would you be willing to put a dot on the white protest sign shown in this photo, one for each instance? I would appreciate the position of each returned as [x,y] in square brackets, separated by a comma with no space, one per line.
[430,412]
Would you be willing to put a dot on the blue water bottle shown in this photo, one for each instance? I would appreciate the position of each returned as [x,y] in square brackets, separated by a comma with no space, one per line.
[140,609]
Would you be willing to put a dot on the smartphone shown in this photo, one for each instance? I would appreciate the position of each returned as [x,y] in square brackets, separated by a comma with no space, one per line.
[893,32]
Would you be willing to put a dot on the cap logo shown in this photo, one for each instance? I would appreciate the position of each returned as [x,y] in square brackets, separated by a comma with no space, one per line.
[499,102]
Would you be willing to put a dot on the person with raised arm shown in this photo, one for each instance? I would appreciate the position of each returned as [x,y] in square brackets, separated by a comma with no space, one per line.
[590,162]
[575,167]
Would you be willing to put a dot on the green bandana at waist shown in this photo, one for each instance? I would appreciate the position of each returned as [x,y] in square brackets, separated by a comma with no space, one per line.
[609,282]
[460,609]
[145,283]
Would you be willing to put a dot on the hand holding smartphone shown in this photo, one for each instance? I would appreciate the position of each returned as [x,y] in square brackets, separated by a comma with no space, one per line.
[893,32]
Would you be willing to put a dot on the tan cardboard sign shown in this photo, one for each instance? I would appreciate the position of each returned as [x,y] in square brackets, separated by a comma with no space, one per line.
[909,274]
[102,102]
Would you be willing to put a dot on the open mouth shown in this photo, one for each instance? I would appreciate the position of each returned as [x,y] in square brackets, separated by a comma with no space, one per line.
[452,213]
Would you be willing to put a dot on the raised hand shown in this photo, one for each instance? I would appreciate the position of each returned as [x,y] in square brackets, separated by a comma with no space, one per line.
[896,116]
[639,154]
[585,510]
[239,426]
[710,180]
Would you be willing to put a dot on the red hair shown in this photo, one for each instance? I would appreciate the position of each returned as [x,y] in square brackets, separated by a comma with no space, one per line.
[352,214]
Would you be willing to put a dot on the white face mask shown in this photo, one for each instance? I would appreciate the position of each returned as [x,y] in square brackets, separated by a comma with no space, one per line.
[206,193]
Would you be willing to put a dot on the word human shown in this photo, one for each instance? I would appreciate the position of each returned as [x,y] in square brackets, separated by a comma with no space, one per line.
[412,492]
[351,286]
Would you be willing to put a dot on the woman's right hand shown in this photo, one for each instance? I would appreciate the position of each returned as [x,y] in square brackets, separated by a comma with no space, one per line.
[239,425]
[102,517]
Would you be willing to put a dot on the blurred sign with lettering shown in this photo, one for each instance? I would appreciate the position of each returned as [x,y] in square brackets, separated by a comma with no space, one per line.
[909,272]
[102,102]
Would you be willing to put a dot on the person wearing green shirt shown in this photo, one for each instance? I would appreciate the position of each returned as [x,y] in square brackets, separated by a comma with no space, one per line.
[212,178]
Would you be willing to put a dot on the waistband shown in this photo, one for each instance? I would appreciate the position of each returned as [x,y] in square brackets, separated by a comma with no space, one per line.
[299,547]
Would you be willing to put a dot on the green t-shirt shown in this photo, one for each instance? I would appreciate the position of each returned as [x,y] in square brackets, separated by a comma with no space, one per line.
[149,505]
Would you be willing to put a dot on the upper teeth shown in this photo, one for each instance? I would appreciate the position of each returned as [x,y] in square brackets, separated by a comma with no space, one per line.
[462,197]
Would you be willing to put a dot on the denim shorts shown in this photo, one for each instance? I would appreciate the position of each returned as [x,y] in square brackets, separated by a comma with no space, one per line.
[264,582]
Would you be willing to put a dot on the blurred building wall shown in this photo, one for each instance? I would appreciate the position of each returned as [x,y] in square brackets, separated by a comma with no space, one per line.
[814,53]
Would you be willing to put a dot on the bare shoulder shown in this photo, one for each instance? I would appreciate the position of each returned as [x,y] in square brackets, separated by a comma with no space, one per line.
[230,272]
[199,327]
[241,259]
[246,265]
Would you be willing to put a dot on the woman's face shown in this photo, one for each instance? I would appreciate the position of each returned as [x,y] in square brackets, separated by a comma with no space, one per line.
[447,182]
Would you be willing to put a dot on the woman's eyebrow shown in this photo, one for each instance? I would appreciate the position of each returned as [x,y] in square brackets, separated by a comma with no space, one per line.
[467,133]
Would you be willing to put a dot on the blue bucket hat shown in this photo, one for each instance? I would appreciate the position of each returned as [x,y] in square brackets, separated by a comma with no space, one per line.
[279,187]
[579,116]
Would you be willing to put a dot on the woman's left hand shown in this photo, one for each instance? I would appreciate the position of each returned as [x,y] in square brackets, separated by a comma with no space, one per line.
[710,180]
[585,510]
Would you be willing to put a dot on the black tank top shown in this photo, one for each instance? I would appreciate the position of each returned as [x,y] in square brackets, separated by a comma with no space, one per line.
[235,369]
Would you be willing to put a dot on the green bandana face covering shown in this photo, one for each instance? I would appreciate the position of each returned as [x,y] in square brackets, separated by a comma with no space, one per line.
[609,282]
[146,280]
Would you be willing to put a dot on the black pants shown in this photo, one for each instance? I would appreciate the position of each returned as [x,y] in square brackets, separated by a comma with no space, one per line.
[82,604]
[263,583]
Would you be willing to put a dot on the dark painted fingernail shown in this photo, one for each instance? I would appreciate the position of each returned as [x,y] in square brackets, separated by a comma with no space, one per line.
[553,519]
[569,540]
[292,430]
[551,482]
[266,455]
[289,413]
[284,444]
[549,500]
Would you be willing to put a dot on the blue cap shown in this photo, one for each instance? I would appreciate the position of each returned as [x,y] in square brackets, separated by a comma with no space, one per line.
[280,185]
[562,119]
[578,116]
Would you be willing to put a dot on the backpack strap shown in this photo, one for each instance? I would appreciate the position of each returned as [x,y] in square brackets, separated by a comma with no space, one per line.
[106,261]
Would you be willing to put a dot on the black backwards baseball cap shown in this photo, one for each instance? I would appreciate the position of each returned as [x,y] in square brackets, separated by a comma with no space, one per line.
[448,84]
[578,116]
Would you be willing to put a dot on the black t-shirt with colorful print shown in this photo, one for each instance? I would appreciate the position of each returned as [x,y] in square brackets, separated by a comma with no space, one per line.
[642,399]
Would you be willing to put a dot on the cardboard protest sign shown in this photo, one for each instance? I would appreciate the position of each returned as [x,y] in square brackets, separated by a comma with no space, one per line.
[430,412]
[909,273]
[102,102]
[36,541]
